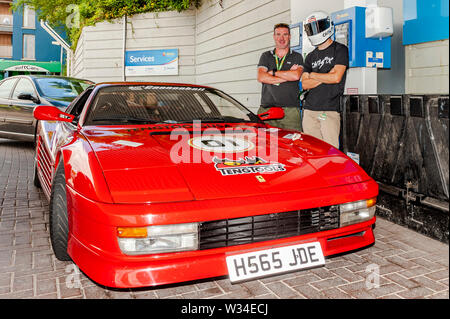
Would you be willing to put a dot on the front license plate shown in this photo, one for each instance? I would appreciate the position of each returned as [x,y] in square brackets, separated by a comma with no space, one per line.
[272,261]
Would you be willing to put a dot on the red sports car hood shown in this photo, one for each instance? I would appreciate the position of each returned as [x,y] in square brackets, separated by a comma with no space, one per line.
[150,164]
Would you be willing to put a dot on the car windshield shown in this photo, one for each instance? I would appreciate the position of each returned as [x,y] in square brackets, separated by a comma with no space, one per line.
[60,87]
[115,105]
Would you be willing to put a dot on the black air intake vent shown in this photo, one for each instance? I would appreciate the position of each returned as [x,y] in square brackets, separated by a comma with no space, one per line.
[245,230]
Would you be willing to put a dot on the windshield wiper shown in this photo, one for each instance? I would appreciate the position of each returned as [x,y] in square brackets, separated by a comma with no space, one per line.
[124,120]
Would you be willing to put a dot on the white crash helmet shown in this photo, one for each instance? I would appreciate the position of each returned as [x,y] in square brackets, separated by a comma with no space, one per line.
[319,27]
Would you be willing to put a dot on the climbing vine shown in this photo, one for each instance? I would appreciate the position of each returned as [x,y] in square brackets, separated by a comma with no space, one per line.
[73,15]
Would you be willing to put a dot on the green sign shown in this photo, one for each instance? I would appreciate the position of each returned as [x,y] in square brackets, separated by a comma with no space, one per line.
[30,66]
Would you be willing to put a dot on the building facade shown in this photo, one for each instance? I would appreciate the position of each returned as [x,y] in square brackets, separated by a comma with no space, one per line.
[219,44]
[25,47]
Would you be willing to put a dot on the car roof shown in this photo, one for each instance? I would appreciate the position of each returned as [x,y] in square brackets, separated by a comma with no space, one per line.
[39,76]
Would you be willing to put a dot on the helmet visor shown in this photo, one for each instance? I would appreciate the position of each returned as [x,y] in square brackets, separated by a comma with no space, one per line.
[316,27]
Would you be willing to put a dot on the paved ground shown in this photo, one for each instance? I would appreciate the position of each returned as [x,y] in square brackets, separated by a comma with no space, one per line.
[402,263]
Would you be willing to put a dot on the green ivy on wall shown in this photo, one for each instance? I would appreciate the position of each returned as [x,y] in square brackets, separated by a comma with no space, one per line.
[76,14]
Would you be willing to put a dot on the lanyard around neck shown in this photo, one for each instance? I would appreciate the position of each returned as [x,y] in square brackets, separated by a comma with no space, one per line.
[278,63]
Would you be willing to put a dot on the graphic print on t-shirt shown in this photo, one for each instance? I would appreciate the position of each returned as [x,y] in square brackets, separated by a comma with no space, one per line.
[325,97]
[320,63]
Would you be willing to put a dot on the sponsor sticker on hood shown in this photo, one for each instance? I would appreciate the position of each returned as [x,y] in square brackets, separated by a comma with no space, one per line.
[249,165]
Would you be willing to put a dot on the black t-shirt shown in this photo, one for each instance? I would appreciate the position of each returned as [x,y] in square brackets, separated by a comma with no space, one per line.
[285,94]
[325,97]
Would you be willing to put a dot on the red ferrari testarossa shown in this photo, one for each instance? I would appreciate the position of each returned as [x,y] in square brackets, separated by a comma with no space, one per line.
[157,183]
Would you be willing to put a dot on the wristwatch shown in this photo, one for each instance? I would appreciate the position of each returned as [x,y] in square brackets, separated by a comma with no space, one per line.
[274,71]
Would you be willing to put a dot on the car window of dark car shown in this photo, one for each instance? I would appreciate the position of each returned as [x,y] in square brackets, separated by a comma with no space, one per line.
[6,87]
[61,87]
[24,86]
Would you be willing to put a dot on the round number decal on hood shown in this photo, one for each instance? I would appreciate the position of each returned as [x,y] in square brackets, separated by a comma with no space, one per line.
[221,143]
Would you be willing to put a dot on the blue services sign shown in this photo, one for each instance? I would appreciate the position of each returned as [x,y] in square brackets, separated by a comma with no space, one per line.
[151,62]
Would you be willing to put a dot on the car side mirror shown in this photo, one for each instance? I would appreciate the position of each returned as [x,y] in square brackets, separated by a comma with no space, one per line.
[51,113]
[28,96]
[274,113]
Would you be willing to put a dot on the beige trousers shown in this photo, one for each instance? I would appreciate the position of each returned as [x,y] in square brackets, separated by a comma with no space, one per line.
[323,125]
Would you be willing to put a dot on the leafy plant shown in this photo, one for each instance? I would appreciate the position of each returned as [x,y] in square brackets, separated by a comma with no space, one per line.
[65,12]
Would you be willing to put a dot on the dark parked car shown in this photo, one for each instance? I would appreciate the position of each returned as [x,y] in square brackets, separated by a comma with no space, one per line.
[19,95]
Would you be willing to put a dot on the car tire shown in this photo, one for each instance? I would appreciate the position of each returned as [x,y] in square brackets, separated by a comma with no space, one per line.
[59,222]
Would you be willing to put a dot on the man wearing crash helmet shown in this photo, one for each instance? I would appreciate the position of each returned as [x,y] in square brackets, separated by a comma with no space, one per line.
[324,77]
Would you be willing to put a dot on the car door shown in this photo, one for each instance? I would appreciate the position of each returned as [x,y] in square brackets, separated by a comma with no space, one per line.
[6,88]
[21,114]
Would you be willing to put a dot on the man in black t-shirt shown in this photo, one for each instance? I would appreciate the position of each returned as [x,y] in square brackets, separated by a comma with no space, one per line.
[324,76]
[279,71]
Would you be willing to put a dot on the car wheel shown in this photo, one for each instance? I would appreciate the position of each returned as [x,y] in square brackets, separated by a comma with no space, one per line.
[59,223]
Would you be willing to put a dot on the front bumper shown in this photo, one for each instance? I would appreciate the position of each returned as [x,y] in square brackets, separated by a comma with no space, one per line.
[94,248]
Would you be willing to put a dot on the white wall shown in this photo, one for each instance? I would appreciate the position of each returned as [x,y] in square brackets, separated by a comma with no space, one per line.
[301,9]
[98,56]
[427,68]
[77,63]
[219,45]
[99,53]
[229,41]
[165,30]
[221,42]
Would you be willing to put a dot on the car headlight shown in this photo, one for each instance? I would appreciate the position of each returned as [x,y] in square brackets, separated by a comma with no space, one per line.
[357,212]
[158,239]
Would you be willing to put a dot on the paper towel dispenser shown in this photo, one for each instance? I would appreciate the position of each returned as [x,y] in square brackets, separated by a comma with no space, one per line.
[379,22]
